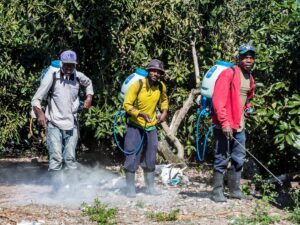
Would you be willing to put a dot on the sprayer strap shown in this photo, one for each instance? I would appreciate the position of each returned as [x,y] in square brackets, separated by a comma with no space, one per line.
[233,69]
[138,92]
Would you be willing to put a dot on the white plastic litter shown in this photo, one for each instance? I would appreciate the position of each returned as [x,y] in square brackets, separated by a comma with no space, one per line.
[171,175]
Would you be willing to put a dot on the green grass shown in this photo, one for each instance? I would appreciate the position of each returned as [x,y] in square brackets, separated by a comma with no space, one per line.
[100,213]
[294,214]
[140,204]
[163,216]
[260,215]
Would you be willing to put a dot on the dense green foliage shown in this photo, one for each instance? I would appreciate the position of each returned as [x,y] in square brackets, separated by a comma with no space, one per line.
[115,36]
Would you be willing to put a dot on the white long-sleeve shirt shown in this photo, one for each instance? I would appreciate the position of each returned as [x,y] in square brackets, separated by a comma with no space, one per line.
[63,103]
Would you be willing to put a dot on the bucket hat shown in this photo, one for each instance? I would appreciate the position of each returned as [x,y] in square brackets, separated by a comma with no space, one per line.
[156,64]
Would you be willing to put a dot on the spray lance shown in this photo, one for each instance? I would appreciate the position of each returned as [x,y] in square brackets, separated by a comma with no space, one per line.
[260,163]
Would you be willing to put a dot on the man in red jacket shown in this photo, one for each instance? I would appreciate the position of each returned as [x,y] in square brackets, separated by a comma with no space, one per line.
[233,90]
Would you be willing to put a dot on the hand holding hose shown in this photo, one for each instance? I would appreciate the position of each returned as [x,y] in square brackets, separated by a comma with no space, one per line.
[145,116]
[162,117]
[227,131]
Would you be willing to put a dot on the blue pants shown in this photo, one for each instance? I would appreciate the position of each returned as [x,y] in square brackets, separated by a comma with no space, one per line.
[61,147]
[223,152]
[146,157]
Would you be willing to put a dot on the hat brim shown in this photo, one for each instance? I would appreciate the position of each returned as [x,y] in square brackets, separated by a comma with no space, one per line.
[245,51]
[72,62]
[155,68]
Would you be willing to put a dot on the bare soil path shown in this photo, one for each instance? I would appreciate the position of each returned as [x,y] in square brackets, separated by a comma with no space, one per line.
[28,196]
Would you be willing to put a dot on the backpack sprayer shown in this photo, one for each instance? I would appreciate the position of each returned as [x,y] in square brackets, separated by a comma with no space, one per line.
[49,71]
[206,109]
[137,75]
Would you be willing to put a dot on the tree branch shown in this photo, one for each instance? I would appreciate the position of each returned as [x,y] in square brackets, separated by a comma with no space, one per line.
[175,141]
[196,64]
[183,111]
[268,92]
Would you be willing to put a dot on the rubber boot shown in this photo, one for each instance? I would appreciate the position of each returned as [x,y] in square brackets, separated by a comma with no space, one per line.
[130,184]
[149,181]
[57,179]
[70,179]
[234,178]
[218,188]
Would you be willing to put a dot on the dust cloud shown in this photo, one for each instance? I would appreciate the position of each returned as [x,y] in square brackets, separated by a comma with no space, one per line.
[24,183]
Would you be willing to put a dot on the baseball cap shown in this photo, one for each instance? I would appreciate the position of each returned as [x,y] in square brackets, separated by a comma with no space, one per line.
[246,48]
[68,56]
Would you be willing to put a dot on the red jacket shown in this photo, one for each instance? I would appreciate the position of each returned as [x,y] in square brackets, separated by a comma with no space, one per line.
[226,98]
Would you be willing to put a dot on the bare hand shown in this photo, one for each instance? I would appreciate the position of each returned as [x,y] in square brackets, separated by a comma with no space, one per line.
[42,120]
[145,116]
[88,101]
[162,117]
[227,131]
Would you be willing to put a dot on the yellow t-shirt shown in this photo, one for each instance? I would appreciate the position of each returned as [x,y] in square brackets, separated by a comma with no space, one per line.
[147,100]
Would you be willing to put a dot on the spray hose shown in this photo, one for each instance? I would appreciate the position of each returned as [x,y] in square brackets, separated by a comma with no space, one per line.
[260,163]
[200,113]
[118,115]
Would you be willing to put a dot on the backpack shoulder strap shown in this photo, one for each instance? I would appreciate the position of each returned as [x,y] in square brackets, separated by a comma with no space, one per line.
[234,71]
[160,86]
[54,78]
[140,87]
[138,92]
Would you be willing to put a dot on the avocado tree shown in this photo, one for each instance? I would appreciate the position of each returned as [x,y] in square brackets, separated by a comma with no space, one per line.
[114,37]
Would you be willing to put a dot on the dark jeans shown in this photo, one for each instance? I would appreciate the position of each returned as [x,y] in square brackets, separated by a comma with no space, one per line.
[235,152]
[146,157]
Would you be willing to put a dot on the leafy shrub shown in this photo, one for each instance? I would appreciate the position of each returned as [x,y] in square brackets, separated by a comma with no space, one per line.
[99,213]
[163,216]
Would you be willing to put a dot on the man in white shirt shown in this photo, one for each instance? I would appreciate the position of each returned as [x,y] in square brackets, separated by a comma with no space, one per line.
[60,118]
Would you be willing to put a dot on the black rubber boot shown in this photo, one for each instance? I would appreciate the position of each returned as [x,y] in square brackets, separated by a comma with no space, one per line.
[149,181]
[234,178]
[130,184]
[218,188]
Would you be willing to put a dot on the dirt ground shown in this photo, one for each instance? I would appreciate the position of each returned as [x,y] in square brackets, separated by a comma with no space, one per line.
[29,196]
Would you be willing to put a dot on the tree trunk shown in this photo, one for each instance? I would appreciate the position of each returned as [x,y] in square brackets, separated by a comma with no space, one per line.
[164,149]
[179,115]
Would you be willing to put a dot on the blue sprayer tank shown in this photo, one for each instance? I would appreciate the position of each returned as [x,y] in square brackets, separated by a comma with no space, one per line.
[137,75]
[211,76]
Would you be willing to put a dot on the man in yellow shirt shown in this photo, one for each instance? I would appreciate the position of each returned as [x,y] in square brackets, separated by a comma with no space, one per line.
[140,104]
